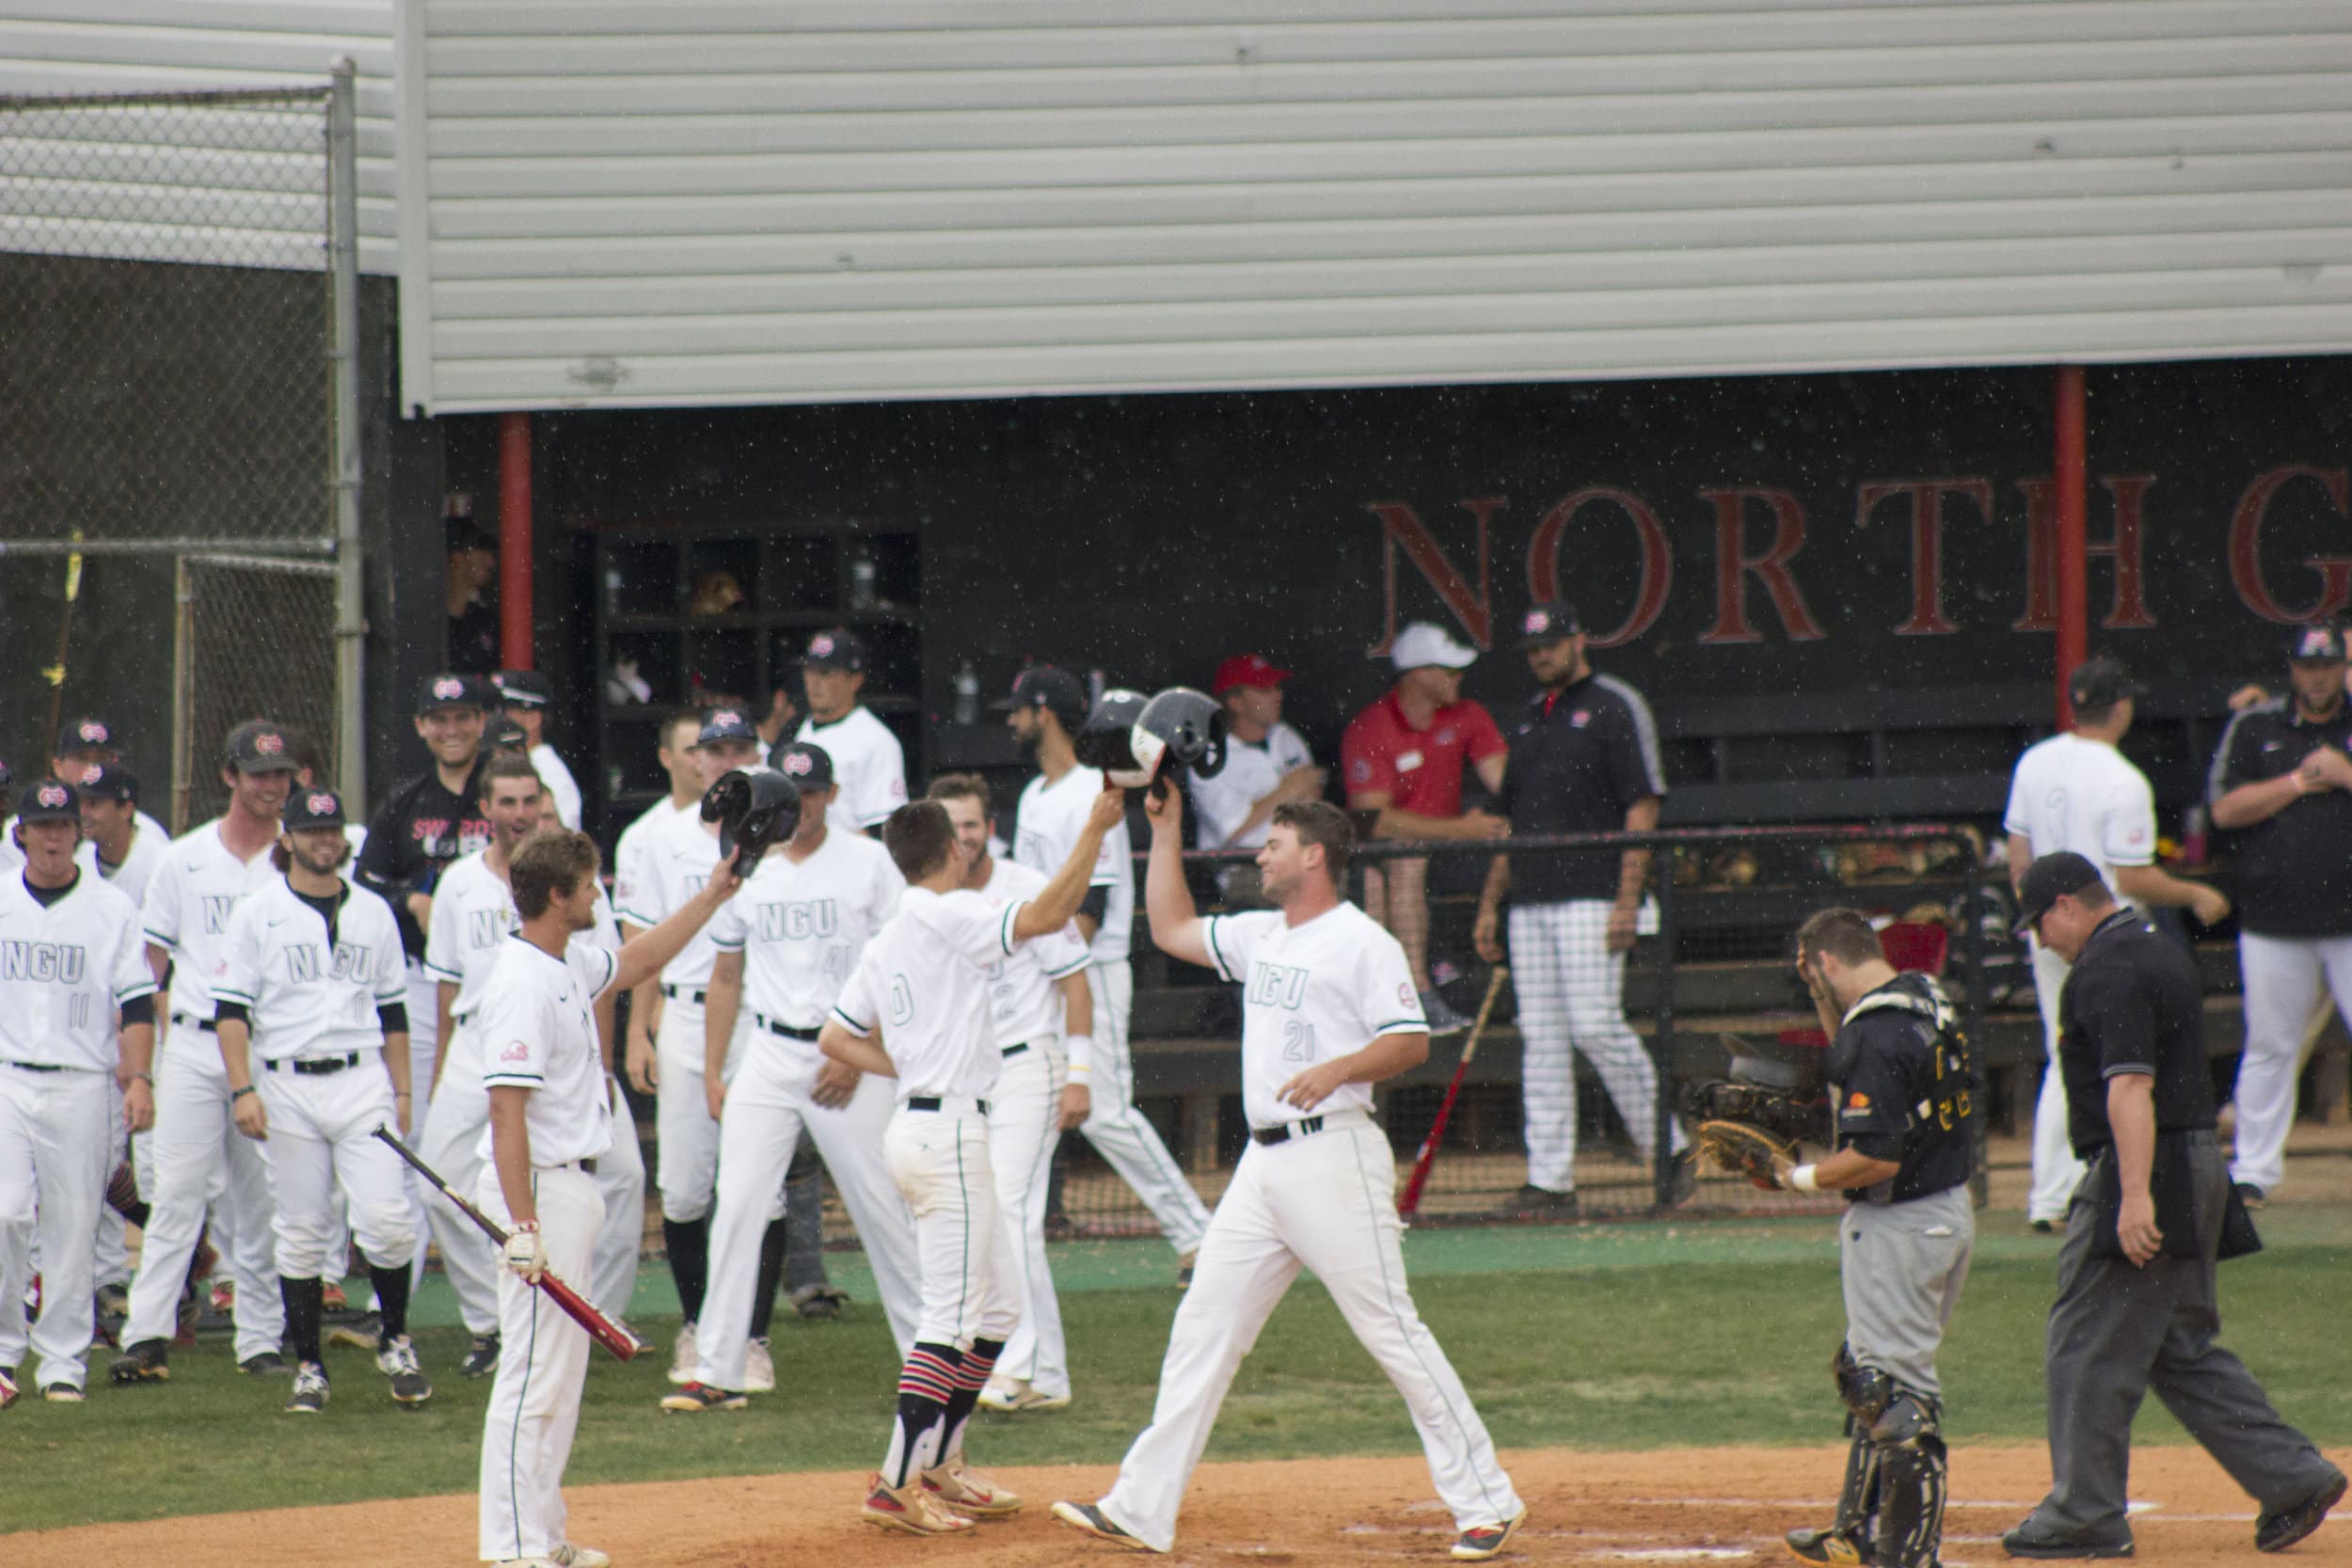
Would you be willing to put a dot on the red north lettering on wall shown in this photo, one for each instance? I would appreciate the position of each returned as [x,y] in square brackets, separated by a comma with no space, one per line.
[1734,566]
[2245,568]
[1926,541]
[2129,610]
[1400,525]
[1658,562]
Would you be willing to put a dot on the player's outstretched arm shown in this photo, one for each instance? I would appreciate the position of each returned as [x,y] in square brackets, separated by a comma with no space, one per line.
[1177,928]
[1053,908]
[641,957]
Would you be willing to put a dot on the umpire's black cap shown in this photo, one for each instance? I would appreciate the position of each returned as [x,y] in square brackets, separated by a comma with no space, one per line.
[258,746]
[312,808]
[2049,880]
[447,690]
[2320,643]
[109,780]
[810,767]
[524,689]
[1056,690]
[49,801]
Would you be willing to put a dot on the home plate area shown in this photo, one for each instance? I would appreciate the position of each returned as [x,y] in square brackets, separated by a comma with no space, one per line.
[1695,1506]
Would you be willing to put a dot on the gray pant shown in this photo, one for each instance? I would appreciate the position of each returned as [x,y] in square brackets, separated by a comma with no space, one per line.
[2115,1332]
[1903,1265]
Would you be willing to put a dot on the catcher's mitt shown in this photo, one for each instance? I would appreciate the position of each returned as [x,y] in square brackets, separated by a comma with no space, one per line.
[1779,1113]
[1745,1151]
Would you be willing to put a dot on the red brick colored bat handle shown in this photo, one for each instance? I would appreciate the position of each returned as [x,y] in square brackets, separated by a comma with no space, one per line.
[1408,1206]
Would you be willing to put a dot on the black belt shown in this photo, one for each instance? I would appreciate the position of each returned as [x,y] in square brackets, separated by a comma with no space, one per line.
[674,993]
[1285,1132]
[313,1066]
[50,1066]
[203,1025]
[1016,1050]
[806,1035]
[932,1102]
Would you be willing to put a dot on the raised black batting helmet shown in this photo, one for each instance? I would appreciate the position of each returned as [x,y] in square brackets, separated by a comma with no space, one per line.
[1180,728]
[754,807]
[1107,739]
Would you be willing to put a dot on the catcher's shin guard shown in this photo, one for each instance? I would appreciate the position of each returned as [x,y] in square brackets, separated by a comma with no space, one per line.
[1866,1390]
[1911,1465]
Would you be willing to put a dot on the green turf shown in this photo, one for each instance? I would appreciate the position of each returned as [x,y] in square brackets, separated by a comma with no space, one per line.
[1606,1336]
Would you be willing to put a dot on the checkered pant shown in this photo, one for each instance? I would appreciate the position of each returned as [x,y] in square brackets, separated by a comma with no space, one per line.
[1571,994]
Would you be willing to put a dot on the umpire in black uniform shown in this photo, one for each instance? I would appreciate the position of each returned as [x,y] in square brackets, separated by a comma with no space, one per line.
[2136,1306]
[1903,1117]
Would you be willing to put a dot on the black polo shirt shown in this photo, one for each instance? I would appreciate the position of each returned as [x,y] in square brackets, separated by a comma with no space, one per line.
[1580,758]
[418,831]
[2132,1003]
[1907,1091]
[2294,871]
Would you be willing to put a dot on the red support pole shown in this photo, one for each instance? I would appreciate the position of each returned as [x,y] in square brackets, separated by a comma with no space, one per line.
[2074,632]
[514,542]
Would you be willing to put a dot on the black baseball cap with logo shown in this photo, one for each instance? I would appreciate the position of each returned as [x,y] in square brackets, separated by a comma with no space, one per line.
[808,767]
[2047,881]
[524,689]
[447,690]
[723,724]
[49,801]
[837,648]
[2101,682]
[258,746]
[86,734]
[2320,643]
[1056,690]
[109,780]
[1549,622]
[312,808]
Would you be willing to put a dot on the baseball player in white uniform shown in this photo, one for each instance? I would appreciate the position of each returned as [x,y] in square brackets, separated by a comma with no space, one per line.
[1328,1010]
[550,1122]
[195,1143]
[526,696]
[1044,711]
[312,1011]
[76,1008]
[1042,1012]
[916,1010]
[785,943]
[869,767]
[83,744]
[117,848]
[2076,791]
[673,866]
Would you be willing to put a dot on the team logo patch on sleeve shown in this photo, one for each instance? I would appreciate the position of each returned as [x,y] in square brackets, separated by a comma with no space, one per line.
[1857,1101]
[1405,996]
[516,1052]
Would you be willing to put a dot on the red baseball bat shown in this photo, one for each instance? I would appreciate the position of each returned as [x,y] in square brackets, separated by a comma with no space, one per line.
[614,1336]
[1410,1203]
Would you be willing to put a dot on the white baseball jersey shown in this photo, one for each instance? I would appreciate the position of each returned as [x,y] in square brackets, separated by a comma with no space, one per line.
[628,855]
[1046,826]
[189,902]
[2069,793]
[1311,993]
[801,927]
[558,782]
[674,863]
[539,1028]
[868,767]
[310,991]
[66,970]
[923,980]
[1219,805]
[473,914]
[1022,999]
[137,869]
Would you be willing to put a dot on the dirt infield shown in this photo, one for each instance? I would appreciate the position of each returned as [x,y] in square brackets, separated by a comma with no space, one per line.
[1698,1506]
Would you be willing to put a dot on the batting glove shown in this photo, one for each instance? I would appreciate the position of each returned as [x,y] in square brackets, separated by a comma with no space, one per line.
[526,1252]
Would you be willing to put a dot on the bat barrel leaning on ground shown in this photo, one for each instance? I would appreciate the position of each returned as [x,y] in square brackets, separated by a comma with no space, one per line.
[1410,1203]
[614,1336]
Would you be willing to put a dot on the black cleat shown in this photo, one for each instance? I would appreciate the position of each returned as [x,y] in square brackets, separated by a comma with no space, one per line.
[1086,1517]
[2276,1533]
[1826,1548]
[145,1362]
[2028,1540]
[482,1360]
[1537,1203]
[267,1363]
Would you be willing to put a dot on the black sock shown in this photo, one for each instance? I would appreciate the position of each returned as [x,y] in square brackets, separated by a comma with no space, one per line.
[970,1377]
[391,1298]
[926,1384]
[687,1243]
[135,1211]
[771,1270]
[305,1301]
[804,1227]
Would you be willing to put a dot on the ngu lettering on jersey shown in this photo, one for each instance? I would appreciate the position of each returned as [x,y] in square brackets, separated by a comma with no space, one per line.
[798,921]
[1278,985]
[488,928]
[64,963]
[349,961]
[219,907]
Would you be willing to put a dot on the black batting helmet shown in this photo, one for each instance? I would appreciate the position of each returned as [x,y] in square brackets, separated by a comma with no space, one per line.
[1181,728]
[1107,739]
[754,807]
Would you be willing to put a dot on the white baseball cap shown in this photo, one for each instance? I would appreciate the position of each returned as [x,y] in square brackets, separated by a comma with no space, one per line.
[1423,643]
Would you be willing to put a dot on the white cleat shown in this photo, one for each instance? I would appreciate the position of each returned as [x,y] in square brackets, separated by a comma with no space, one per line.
[686,1358]
[759,1368]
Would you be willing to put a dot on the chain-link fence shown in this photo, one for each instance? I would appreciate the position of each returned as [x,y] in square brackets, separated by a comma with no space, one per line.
[176,292]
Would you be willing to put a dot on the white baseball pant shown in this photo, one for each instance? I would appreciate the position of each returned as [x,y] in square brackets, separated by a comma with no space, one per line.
[1123,1135]
[768,1106]
[2281,978]
[940,1162]
[425,995]
[686,1147]
[1023,1128]
[112,1252]
[543,1360]
[621,1181]
[450,1145]
[55,1142]
[321,1134]
[1571,995]
[2055,1171]
[1325,1202]
[196,1143]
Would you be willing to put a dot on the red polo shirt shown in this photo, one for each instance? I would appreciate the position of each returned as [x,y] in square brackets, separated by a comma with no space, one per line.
[1419,770]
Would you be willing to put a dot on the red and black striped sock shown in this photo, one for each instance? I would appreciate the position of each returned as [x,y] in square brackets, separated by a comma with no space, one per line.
[970,1378]
[925,1385]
